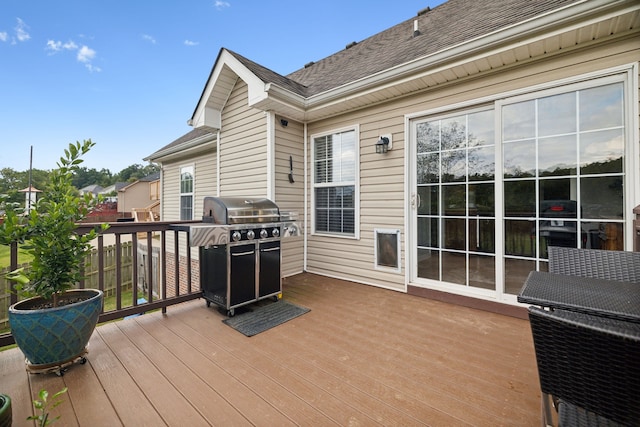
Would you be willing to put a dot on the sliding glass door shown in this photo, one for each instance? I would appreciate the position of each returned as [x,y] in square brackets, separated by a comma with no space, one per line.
[493,187]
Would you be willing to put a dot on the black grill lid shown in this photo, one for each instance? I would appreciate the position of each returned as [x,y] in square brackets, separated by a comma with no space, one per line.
[239,210]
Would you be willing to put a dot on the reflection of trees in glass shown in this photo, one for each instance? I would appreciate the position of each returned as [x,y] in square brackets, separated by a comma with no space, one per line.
[428,137]
[519,159]
[454,158]
[612,165]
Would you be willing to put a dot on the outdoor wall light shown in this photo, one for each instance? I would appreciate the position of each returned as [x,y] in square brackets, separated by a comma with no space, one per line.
[384,144]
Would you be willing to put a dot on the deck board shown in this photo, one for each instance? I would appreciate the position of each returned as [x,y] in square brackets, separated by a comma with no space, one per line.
[362,356]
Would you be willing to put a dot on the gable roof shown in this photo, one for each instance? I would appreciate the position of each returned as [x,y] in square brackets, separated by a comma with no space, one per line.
[456,40]
[93,188]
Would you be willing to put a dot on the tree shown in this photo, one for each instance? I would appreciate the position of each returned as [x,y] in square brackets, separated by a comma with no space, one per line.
[11,182]
[85,177]
[135,172]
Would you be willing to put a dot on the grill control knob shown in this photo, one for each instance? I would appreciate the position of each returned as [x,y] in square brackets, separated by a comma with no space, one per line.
[264,234]
[236,236]
[250,234]
[275,232]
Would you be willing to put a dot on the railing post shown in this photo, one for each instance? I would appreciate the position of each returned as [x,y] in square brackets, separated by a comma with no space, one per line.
[13,263]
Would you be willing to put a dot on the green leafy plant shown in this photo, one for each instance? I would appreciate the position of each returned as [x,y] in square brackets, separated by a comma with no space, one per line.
[49,231]
[45,404]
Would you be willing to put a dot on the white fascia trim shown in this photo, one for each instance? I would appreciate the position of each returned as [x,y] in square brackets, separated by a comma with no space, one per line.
[256,86]
[271,144]
[286,97]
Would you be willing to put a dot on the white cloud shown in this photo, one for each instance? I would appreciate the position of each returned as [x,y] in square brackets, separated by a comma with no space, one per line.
[149,38]
[190,43]
[4,36]
[86,54]
[57,46]
[21,31]
[93,68]
[219,4]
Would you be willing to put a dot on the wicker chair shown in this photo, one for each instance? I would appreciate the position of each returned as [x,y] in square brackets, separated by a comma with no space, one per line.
[590,364]
[622,266]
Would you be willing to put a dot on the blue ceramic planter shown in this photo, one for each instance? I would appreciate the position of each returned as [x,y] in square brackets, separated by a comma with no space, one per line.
[55,335]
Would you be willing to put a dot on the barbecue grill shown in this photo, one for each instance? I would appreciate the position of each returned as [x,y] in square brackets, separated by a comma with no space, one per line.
[239,246]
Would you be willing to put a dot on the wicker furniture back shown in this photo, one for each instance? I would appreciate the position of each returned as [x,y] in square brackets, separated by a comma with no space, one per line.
[622,266]
[590,364]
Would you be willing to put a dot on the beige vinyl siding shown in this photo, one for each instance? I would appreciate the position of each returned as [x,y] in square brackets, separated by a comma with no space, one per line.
[204,169]
[136,195]
[170,202]
[290,196]
[381,202]
[243,147]
[382,185]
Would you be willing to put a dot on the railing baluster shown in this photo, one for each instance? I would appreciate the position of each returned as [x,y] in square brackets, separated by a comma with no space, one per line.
[188,266]
[176,257]
[118,272]
[101,262]
[150,266]
[13,262]
[134,274]
[163,267]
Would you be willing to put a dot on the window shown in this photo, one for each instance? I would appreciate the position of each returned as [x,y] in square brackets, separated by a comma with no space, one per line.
[186,193]
[335,191]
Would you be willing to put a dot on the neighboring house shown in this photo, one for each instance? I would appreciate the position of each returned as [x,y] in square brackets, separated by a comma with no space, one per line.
[139,194]
[93,188]
[512,125]
[108,192]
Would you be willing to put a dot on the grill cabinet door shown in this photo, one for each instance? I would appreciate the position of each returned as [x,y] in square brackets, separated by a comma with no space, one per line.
[269,269]
[213,274]
[243,274]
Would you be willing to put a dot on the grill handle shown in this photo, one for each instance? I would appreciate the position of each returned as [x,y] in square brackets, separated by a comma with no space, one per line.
[242,253]
[277,248]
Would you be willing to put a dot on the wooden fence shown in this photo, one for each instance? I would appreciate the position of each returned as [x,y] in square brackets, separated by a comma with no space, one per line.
[91,276]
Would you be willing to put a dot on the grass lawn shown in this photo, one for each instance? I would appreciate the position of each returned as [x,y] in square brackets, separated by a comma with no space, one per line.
[23,256]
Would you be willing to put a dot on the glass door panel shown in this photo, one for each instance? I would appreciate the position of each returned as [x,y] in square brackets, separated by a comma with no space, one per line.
[455,176]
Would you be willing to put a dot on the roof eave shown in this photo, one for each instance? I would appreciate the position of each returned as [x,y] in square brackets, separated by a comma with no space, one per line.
[193,146]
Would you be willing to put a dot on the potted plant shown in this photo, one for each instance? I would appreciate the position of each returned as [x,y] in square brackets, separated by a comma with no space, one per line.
[53,326]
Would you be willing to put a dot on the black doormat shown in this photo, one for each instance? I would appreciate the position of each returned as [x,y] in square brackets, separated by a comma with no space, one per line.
[265,317]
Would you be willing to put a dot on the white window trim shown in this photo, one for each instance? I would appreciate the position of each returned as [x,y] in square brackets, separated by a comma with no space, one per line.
[182,168]
[356,235]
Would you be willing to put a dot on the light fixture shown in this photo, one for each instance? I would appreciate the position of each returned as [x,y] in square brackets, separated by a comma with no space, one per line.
[384,144]
[284,122]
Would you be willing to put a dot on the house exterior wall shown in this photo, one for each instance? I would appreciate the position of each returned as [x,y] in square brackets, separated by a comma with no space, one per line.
[243,147]
[382,177]
[204,169]
[289,142]
[137,195]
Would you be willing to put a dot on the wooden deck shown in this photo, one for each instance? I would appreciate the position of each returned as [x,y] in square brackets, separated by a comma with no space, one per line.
[362,356]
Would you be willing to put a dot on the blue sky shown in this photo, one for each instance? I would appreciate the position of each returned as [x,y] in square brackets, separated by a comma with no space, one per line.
[128,73]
